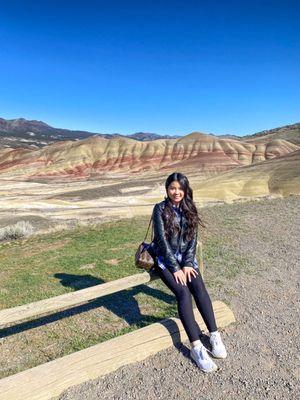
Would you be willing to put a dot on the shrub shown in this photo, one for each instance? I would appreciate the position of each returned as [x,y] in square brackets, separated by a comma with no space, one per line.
[16,231]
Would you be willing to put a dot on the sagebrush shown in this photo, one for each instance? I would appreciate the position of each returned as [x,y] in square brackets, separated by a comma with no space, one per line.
[16,231]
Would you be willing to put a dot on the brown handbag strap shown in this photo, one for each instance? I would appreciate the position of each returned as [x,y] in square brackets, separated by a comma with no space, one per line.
[148,230]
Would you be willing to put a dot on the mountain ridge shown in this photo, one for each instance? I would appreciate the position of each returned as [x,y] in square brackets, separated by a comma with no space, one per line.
[21,132]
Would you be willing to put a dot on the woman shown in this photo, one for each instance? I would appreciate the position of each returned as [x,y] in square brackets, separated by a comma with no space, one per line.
[175,223]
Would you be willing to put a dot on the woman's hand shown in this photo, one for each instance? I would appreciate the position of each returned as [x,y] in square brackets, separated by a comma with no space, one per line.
[189,271]
[180,277]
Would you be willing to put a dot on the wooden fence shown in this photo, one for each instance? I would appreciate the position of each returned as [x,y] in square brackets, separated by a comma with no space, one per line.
[49,380]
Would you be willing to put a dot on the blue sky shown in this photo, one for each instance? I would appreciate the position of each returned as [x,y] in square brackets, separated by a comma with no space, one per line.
[169,67]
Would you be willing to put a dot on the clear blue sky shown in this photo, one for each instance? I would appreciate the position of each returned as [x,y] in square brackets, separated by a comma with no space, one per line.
[170,67]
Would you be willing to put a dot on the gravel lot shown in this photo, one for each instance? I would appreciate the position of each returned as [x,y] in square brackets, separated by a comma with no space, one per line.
[263,345]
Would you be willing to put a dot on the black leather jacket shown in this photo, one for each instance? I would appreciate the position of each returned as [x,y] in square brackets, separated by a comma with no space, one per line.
[167,248]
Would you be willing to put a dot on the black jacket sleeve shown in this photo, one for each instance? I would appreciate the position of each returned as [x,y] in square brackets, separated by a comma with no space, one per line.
[189,254]
[163,244]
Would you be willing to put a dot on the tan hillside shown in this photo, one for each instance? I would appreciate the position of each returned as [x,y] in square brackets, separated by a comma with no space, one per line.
[100,156]
[290,133]
[278,176]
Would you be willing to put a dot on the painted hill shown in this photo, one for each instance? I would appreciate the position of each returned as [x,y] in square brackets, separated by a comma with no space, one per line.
[98,156]
[277,176]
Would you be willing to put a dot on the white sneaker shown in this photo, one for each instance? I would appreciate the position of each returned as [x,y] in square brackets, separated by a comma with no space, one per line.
[200,356]
[218,348]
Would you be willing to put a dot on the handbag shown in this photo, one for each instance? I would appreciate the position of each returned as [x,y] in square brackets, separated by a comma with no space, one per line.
[143,257]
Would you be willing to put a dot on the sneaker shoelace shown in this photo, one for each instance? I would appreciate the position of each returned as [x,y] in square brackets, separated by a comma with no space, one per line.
[203,352]
[216,340]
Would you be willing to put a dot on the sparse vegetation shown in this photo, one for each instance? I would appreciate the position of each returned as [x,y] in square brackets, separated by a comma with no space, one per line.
[19,230]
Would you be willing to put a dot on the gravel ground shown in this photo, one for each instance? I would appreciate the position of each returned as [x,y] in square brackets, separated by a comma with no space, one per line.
[262,346]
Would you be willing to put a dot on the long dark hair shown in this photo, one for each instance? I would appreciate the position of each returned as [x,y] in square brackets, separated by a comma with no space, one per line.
[188,208]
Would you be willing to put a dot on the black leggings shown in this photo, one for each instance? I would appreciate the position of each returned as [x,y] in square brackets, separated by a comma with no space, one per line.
[184,302]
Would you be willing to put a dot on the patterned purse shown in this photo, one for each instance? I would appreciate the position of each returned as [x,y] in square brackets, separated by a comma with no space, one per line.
[144,257]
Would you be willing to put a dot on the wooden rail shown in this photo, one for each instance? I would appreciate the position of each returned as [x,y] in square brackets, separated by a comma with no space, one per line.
[10,316]
[49,380]
[19,314]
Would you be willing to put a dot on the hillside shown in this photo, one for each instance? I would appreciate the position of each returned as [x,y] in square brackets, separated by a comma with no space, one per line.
[277,176]
[288,132]
[98,156]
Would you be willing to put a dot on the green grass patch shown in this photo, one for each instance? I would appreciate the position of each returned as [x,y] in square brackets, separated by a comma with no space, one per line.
[48,265]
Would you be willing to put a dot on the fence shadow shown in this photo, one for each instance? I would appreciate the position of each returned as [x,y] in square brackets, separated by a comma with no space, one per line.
[122,303]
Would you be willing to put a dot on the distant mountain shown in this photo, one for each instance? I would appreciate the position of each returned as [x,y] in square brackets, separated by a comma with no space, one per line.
[226,136]
[144,136]
[32,134]
[287,132]
[15,133]
[37,130]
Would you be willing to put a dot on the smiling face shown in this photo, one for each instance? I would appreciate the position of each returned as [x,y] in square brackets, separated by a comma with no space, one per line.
[175,193]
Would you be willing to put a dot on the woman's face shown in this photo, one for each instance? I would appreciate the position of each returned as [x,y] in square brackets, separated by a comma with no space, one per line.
[175,193]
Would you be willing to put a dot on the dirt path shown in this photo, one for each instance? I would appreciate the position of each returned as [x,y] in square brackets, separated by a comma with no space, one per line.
[263,345]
